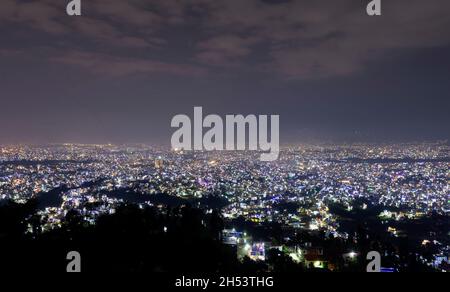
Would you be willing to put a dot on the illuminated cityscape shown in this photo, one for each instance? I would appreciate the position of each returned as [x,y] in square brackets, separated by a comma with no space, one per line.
[309,189]
[232,142]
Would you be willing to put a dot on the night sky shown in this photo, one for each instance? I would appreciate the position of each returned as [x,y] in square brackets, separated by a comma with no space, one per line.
[120,72]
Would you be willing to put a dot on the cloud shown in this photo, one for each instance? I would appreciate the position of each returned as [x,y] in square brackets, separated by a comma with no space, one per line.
[127,12]
[296,39]
[116,23]
[314,39]
[225,50]
[105,33]
[10,53]
[115,66]
[39,15]
[99,36]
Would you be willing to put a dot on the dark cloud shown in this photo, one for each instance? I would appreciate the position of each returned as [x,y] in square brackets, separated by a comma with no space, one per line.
[299,39]
[309,39]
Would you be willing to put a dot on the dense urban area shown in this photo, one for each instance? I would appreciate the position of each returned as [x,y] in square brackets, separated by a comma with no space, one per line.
[319,207]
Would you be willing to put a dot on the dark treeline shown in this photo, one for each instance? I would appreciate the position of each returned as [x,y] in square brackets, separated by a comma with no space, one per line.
[173,239]
[133,239]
